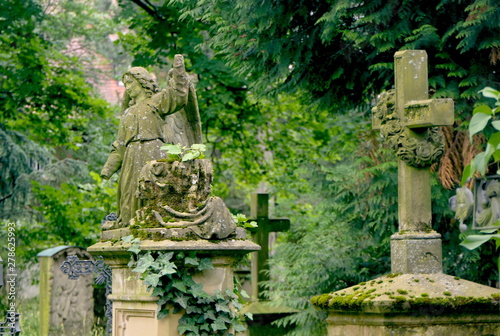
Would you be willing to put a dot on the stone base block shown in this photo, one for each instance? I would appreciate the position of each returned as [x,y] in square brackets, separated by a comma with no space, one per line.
[416,253]
[413,304]
[341,324]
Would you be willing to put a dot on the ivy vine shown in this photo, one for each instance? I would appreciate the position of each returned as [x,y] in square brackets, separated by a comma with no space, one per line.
[169,275]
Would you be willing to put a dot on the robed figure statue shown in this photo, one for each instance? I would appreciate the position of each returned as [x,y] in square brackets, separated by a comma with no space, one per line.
[151,117]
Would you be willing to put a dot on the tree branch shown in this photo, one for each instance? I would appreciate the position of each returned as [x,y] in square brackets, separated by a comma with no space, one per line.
[149,8]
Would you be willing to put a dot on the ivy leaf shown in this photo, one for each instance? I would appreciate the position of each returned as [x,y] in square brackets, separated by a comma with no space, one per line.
[162,313]
[222,307]
[205,263]
[180,286]
[197,291]
[239,327]
[127,239]
[249,316]
[205,326]
[478,123]
[158,291]
[182,301]
[134,249]
[210,315]
[144,263]
[152,280]
[168,269]
[164,258]
[191,261]
[244,294]
[218,325]
[187,327]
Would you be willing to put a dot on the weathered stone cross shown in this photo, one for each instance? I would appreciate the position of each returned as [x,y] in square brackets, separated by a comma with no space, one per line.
[259,212]
[416,248]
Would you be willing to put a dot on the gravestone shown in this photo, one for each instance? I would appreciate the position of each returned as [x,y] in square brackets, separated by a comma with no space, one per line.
[416,298]
[263,313]
[66,305]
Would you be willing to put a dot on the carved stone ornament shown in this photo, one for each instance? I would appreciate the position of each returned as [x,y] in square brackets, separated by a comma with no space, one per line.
[419,153]
[178,196]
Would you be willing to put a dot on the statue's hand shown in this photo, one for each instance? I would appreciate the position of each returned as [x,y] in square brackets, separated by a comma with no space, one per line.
[177,76]
[105,174]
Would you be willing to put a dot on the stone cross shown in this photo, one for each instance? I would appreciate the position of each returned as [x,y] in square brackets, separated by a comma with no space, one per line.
[416,248]
[259,212]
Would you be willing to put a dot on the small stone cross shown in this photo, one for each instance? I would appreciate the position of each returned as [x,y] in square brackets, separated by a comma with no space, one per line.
[416,248]
[259,212]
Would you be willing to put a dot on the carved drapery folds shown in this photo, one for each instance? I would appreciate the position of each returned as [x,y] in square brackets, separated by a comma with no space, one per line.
[421,151]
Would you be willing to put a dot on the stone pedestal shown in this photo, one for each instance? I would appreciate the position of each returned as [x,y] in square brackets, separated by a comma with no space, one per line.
[413,304]
[134,309]
[416,252]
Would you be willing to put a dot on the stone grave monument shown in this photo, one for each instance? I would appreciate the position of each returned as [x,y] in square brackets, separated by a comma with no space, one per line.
[66,305]
[166,213]
[416,298]
[263,313]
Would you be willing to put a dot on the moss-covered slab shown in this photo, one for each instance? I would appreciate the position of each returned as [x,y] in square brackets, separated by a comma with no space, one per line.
[170,233]
[424,293]
[115,248]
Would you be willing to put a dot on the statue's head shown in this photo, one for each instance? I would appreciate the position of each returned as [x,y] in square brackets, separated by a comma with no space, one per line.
[144,78]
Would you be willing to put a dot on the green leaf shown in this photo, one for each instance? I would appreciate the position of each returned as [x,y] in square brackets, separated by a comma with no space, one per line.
[127,239]
[480,163]
[191,261]
[205,263]
[496,124]
[222,307]
[474,241]
[199,147]
[490,93]
[469,171]
[478,123]
[172,149]
[182,301]
[483,109]
[180,286]
[162,313]
[249,316]
[164,258]
[169,268]
[239,327]
[189,156]
[252,224]
[144,263]
[152,279]
[210,315]
[197,291]
[218,325]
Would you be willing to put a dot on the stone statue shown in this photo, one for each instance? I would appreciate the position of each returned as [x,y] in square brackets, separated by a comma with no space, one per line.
[488,210]
[151,117]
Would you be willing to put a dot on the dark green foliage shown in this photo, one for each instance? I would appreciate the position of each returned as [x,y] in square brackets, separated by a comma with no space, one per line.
[341,52]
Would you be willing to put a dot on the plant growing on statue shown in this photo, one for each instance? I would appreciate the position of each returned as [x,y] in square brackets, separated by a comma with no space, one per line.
[169,275]
[184,153]
[242,221]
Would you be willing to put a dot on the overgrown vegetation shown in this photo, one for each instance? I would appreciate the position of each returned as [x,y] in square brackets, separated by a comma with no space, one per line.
[285,90]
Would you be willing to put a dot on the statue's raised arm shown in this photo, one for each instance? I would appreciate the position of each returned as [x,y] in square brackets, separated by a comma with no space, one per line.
[151,117]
